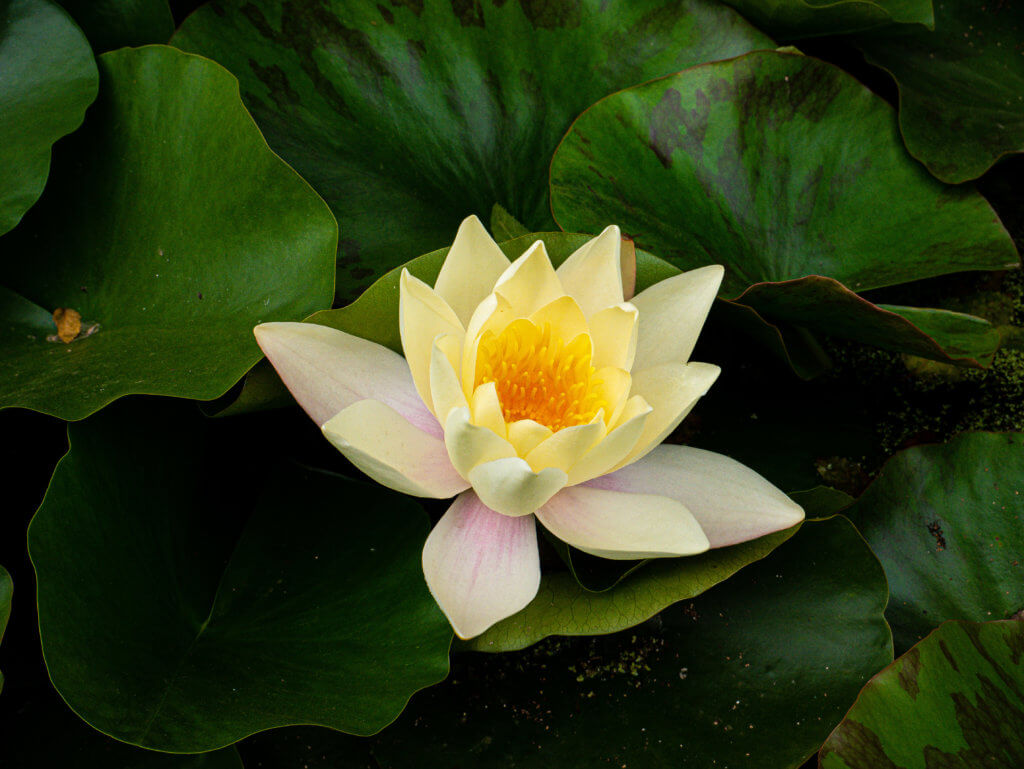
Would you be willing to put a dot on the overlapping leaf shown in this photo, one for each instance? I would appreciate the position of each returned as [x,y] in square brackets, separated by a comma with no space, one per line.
[6,592]
[49,78]
[780,167]
[794,19]
[961,85]
[947,522]
[112,24]
[172,230]
[409,116]
[955,700]
[313,611]
[754,673]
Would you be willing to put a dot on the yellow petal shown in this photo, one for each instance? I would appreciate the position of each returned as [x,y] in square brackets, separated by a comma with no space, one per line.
[614,332]
[592,275]
[530,282]
[486,409]
[672,314]
[672,389]
[525,434]
[511,487]
[469,444]
[381,443]
[565,316]
[423,316]
[613,385]
[445,385]
[471,269]
[565,448]
[616,444]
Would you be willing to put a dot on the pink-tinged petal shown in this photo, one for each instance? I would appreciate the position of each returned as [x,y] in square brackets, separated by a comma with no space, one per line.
[471,269]
[480,566]
[592,275]
[422,317]
[511,487]
[622,526]
[380,442]
[672,390]
[328,370]
[731,502]
[672,314]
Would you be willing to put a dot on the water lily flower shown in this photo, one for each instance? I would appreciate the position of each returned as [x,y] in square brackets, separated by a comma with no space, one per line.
[532,394]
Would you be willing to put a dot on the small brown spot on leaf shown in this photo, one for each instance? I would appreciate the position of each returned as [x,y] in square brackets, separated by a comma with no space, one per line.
[936,531]
[69,323]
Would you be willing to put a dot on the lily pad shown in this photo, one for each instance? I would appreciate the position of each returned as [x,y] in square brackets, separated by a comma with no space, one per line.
[233,611]
[564,607]
[954,700]
[49,735]
[947,523]
[112,24]
[171,229]
[49,78]
[794,19]
[961,86]
[780,167]
[409,116]
[753,673]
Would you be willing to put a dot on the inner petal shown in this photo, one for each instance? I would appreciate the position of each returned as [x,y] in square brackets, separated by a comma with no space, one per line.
[540,376]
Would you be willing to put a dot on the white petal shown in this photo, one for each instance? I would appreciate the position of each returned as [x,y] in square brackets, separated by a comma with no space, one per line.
[621,525]
[469,445]
[672,390]
[378,440]
[511,487]
[672,313]
[328,370]
[422,317]
[531,282]
[731,502]
[480,566]
[471,269]
[592,275]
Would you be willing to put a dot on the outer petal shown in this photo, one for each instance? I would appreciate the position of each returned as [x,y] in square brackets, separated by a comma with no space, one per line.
[422,317]
[512,488]
[620,525]
[480,566]
[531,282]
[469,445]
[672,313]
[672,389]
[592,275]
[731,501]
[471,269]
[381,443]
[328,370]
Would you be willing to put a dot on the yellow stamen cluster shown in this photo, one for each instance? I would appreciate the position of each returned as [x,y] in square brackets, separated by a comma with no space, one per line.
[538,376]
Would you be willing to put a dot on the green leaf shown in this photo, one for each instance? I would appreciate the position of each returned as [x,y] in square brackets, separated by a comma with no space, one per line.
[49,735]
[795,19]
[49,78]
[409,116]
[779,167]
[828,307]
[564,607]
[954,700]
[754,673]
[314,611]
[6,593]
[504,226]
[112,24]
[173,230]
[945,521]
[961,86]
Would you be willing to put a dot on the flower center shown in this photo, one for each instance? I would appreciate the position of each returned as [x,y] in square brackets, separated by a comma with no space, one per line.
[539,376]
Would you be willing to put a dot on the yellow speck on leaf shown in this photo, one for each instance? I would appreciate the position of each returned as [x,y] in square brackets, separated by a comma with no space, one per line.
[69,323]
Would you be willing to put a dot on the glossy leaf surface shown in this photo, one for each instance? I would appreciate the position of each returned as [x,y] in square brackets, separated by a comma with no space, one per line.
[409,116]
[794,19]
[313,611]
[955,700]
[172,230]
